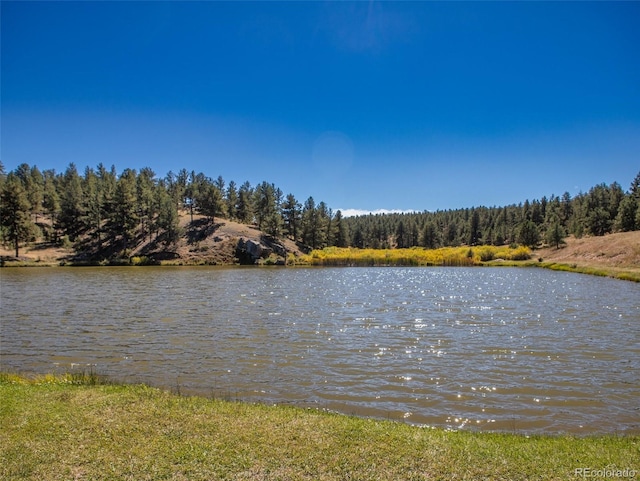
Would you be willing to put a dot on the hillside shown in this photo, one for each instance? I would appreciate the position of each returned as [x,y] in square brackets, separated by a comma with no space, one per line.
[615,251]
[223,243]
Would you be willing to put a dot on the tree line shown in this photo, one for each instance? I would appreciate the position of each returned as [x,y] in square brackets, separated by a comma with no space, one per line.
[602,210]
[103,208]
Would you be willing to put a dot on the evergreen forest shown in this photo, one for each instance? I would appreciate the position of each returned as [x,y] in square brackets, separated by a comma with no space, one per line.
[101,207]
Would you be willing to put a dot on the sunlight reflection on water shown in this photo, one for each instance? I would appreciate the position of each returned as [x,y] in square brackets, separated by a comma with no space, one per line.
[471,348]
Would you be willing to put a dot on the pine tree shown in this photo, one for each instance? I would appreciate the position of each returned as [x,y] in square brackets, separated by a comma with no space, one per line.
[341,231]
[92,203]
[273,224]
[451,233]
[323,225]
[51,201]
[15,215]
[245,203]
[528,234]
[310,223]
[167,219]
[35,191]
[556,234]
[72,208]
[567,209]
[292,215]
[125,214]
[616,196]
[145,186]
[222,209]
[181,182]
[414,233]
[429,236]
[599,221]
[634,189]
[401,236]
[171,185]
[474,228]
[232,201]
[107,180]
[358,239]
[265,206]
[209,200]
[626,219]
[191,191]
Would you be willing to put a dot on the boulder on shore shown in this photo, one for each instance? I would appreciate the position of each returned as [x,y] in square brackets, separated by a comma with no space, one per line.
[249,251]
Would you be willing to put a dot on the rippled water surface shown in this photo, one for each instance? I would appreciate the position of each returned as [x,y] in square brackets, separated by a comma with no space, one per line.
[475,348]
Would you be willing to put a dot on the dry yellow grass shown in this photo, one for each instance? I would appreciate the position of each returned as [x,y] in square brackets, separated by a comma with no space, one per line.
[620,250]
[415,256]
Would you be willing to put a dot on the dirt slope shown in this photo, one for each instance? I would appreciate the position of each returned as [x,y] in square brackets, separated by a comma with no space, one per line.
[621,250]
[216,243]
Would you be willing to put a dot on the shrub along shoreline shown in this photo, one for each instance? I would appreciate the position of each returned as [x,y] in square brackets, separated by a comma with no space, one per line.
[493,256]
[79,427]
[414,256]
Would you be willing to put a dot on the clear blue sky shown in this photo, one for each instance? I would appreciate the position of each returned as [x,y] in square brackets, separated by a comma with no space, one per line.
[368,105]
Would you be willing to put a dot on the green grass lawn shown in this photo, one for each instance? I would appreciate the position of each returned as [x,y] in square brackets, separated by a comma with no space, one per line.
[66,428]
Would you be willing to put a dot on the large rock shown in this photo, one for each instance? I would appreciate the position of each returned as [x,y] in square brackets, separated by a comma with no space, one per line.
[250,251]
[278,249]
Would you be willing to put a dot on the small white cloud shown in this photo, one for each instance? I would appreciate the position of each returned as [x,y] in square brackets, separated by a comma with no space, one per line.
[356,212]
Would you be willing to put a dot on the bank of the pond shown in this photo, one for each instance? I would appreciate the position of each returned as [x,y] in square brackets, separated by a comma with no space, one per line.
[613,255]
[616,273]
[76,427]
[621,273]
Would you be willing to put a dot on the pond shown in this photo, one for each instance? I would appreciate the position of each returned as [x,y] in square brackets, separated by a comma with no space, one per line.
[526,350]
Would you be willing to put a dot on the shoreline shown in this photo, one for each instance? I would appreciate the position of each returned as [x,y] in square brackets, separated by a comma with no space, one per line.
[623,274]
[83,426]
[630,273]
[613,255]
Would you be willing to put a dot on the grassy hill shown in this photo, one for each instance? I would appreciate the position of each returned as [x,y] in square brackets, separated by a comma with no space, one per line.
[614,255]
